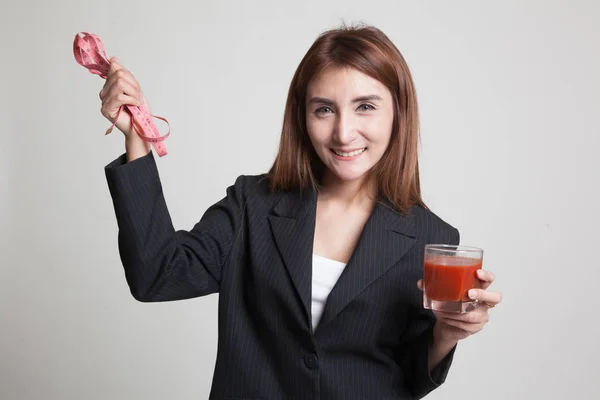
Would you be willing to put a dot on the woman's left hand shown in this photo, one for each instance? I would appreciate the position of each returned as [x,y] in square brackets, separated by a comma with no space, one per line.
[451,327]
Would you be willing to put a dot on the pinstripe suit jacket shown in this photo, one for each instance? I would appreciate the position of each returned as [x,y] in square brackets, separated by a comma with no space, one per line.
[254,248]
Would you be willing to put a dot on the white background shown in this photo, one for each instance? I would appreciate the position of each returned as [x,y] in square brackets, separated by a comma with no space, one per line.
[509,100]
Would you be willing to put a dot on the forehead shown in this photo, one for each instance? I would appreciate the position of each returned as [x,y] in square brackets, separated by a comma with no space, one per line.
[340,82]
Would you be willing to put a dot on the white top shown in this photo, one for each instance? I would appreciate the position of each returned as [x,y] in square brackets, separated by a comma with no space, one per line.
[325,273]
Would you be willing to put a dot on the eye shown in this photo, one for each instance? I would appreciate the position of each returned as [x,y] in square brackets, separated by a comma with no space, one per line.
[365,107]
[324,110]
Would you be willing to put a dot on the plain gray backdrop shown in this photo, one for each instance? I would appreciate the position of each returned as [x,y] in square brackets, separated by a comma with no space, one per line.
[509,100]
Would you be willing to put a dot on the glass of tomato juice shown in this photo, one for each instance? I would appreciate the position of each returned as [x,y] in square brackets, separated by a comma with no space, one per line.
[450,271]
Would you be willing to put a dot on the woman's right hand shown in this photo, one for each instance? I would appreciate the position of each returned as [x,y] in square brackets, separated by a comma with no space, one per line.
[120,89]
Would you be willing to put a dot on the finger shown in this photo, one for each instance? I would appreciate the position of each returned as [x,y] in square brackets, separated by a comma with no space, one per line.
[420,284]
[121,76]
[115,65]
[465,326]
[111,107]
[116,68]
[486,277]
[474,317]
[117,71]
[126,75]
[485,296]
[121,87]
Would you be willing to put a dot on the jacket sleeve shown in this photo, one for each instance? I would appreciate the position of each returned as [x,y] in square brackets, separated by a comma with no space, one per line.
[417,339]
[160,263]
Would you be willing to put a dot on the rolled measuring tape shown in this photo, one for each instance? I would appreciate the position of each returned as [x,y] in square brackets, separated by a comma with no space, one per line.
[89,52]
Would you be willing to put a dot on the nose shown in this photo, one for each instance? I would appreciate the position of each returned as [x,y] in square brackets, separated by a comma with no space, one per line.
[345,129]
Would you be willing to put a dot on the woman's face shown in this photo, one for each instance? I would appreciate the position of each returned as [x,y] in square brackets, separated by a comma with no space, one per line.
[349,119]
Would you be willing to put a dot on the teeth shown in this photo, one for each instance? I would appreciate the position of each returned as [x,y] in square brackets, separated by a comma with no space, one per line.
[351,154]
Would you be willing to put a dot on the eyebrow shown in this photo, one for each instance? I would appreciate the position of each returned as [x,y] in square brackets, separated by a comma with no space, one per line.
[322,100]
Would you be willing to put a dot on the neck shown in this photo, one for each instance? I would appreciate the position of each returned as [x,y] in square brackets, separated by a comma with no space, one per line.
[347,193]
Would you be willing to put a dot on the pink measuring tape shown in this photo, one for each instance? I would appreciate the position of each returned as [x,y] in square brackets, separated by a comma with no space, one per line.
[89,52]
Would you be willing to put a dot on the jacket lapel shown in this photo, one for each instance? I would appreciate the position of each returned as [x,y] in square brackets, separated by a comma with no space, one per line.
[386,237]
[293,226]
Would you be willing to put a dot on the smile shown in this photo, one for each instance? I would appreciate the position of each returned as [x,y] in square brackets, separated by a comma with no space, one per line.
[348,154]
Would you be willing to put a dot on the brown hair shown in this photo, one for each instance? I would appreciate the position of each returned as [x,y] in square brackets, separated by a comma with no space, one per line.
[370,51]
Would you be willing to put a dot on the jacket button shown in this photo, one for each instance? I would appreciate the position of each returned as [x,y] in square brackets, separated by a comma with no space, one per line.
[311,361]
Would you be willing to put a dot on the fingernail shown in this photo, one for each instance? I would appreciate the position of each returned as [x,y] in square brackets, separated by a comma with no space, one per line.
[473,293]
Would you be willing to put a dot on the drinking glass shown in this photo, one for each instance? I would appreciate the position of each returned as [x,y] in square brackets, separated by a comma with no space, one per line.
[450,271]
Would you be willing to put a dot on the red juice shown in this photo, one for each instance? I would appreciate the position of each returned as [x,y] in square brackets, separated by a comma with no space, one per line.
[450,278]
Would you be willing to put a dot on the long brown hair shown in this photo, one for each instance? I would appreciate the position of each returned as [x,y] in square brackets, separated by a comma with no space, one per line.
[368,50]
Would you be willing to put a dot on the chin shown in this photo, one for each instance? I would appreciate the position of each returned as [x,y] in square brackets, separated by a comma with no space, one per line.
[348,175]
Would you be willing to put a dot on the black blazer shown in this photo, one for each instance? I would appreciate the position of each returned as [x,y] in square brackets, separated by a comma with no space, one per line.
[254,248]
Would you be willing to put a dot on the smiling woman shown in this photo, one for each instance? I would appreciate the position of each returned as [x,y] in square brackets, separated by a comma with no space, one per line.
[318,262]
[352,87]
[349,129]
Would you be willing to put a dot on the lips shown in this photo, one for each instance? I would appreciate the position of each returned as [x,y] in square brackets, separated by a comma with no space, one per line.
[349,152]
